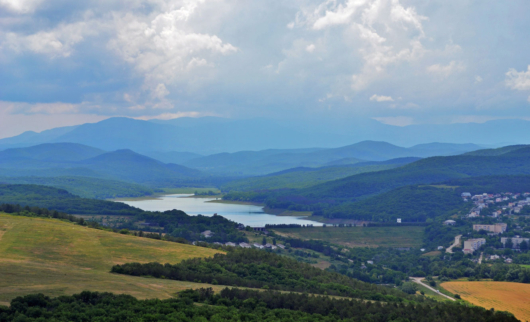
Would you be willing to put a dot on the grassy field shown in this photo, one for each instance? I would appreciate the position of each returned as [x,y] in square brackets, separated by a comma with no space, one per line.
[502,296]
[407,236]
[56,258]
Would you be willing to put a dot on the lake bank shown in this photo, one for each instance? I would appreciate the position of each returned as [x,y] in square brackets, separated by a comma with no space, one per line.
[246,213]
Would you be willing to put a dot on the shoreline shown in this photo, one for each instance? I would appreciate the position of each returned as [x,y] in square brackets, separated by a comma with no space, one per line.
[303,215]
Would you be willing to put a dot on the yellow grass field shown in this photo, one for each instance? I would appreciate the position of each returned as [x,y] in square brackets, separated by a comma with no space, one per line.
[57,258]
[502,296]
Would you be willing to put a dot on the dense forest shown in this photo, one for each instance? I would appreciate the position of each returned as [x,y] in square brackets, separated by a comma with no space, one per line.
[235,305]
[358,187]
[259,269]
[61,200]
[171,223]
[85,187]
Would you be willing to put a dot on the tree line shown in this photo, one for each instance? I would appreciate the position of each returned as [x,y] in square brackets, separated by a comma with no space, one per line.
[236,305]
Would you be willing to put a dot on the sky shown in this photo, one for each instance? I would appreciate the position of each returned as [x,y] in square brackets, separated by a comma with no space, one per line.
[400,62]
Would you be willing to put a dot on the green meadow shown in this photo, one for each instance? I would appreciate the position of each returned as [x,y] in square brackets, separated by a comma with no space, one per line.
[58,258]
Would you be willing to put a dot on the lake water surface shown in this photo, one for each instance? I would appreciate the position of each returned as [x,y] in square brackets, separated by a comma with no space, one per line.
[247,215]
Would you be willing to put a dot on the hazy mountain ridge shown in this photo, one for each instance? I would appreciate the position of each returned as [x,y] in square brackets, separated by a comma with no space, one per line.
[302,177]
[70,159]
[211,135]
[263,162]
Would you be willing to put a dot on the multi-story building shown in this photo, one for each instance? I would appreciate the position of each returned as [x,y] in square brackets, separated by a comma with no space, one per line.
[471,245]
[516,241]
[496,229]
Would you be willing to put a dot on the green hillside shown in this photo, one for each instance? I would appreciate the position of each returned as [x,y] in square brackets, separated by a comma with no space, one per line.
[300,177]
[423,202]
[425,171]
[174,223]
[60,258]
[60,200]
[86,187]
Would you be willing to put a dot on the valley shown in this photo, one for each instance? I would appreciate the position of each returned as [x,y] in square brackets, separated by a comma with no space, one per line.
[253,161]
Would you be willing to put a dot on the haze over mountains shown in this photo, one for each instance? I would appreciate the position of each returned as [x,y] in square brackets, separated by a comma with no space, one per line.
[209,135]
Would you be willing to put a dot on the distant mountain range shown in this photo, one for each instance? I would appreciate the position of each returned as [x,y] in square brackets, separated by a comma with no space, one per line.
[268,161]
[71,159]
[209,135]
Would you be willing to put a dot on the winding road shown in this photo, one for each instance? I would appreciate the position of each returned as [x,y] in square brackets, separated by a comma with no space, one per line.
[456,243]
[418,281]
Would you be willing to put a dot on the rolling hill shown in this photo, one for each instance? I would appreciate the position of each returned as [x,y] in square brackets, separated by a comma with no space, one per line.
[303,177]
[425,171]
[54,160]
[59,258]
[269,161]
[85,187]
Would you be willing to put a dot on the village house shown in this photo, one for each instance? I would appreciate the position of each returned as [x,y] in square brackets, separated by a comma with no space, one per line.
[207,234]
[449,222]
[244,245]
[231,244]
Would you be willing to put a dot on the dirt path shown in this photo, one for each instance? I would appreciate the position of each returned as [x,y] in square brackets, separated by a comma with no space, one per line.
[456,243]
[418,280]
[480,258]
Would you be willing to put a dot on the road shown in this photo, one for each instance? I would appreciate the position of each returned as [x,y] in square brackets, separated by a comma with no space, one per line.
[418,280]
[456,243]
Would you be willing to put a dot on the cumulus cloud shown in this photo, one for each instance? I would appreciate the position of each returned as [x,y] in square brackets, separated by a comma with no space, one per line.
[20,6]
[518,80]
[381,98]
[163,48]
[388,32]
[310,48]
[444,71]
[39,108]
[57,42]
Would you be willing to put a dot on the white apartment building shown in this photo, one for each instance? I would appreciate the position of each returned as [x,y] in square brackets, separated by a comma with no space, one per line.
[471,245]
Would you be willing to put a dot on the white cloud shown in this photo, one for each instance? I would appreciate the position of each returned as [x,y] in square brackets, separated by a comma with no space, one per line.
[381,98]
[170,116]
[396,120]
[15,117]
[161,91]
[20,6]
[310,48]
[444,71]
[57,42]
[39,108]
[518,80]
[478,79]
[164,48]
[387,32]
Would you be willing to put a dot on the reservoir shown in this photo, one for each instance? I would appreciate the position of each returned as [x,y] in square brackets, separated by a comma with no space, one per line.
[248,215]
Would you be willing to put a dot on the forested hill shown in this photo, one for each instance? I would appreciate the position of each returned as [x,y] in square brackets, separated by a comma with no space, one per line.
[425,171]
[174,223]
[418,203]
[85,187]
[60,200]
